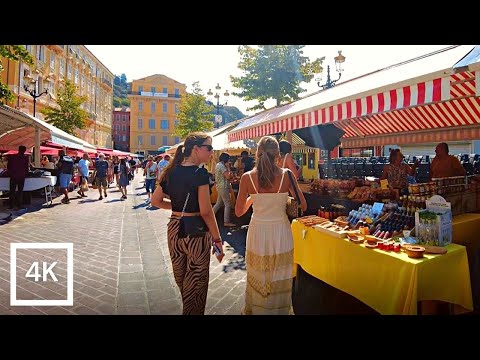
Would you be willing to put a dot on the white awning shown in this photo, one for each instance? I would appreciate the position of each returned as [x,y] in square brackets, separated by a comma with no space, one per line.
[18,128]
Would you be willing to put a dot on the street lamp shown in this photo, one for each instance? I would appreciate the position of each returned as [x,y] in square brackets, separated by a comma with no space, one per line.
[33,92]
[339,60]
[218,117]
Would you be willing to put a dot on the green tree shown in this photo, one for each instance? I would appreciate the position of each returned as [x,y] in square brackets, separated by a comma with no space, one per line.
[69,116]
[194,113]
[16,53]
[273,72]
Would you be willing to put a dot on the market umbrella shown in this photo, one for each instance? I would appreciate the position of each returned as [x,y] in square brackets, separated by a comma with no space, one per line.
[324,137]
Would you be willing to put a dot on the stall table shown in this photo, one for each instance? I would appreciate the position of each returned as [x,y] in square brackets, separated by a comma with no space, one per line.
[388,282]
[33,183]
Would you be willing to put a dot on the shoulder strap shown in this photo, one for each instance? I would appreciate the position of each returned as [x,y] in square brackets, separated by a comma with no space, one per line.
[250,176]
[294,186]
[281,181]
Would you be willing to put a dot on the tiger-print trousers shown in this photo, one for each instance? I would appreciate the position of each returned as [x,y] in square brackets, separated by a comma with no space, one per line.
[191,265]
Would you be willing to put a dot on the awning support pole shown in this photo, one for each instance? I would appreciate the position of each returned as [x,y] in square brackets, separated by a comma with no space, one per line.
[36,154]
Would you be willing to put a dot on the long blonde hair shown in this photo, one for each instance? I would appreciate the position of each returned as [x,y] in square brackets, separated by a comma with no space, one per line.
[267,155]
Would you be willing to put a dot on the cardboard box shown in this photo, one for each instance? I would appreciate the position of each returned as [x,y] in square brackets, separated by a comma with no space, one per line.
[442,222]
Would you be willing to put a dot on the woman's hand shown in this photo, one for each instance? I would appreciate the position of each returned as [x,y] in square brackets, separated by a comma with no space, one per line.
[218,244]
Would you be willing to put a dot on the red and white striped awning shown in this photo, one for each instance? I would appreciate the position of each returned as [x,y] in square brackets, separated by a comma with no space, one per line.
[436,100]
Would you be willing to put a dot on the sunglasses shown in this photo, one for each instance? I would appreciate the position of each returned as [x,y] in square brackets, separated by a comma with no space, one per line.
[209,147]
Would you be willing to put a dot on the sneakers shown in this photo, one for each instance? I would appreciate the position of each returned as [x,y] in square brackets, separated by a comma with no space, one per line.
[65,201]
[147,201]
[100,198]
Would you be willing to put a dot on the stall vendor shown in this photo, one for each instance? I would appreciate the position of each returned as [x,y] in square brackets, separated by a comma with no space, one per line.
[396,172]
[445,165]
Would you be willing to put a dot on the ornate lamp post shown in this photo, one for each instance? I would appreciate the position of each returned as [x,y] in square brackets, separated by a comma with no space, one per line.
[218,117]
[329,83]
[34,93]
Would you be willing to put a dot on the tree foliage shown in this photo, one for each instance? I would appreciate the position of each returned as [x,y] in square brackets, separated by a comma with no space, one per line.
[273,72]
[120,91]
[15,53]
[194,113]
[69,116]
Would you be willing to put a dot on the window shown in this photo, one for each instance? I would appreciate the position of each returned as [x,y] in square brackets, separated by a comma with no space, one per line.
[176,109]
[164,124]
[40,53]
[140,88]
[52,60]
[152,106]
[140,123]
[152,89]
[177,140]
[69,73]
[29,48]
[124,117]
[83,83]
[124,138]
[140,106]
[62,66]
[152,140]
[117,128]
[165,90]
[177,93]
[165,107]
[76,76]
[140,140]
[176,122]
[124,128]
[116,117]
[164,140]
[311,160]
[151,123]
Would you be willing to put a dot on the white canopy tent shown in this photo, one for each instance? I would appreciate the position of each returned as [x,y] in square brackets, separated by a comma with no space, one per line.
[18,128]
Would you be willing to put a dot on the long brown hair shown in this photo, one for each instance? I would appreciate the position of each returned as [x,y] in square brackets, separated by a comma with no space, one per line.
[183,151]
[267,154]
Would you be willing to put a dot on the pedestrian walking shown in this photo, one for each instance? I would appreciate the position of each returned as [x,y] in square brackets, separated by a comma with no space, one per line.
[124,181]
[188,187]
[269,250]
[65,165]
[101,167]
[83,166]
[222,184]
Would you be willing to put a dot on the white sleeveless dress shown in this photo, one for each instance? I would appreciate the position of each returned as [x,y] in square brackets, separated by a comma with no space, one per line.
[269,255]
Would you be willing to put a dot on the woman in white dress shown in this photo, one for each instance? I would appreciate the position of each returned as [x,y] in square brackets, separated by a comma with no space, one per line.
[269,252]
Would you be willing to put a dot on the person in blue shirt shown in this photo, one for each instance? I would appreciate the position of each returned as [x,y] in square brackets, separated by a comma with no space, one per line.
[83,165]
[101,178]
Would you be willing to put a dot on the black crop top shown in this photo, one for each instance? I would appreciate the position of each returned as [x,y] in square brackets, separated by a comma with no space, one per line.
[181,180]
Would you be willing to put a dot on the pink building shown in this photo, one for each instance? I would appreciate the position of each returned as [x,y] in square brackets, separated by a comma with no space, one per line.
[121,129]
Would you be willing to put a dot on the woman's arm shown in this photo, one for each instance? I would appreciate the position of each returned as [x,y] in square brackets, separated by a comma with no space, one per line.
[206,212]
[303,202]
[243,201]
[158,198]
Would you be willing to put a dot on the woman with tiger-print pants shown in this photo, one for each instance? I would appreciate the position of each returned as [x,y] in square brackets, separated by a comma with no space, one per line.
[191,255]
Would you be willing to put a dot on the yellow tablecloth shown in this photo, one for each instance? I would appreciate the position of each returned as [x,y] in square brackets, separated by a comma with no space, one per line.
[388,282]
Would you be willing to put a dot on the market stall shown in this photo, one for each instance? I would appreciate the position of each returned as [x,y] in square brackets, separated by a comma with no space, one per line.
[32,184]
[387,281]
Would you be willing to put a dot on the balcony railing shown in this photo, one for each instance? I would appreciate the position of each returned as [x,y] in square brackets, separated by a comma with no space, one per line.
[151,94]
[107,82]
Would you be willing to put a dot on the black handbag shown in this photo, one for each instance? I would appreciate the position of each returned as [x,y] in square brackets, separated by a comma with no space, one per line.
[191,226]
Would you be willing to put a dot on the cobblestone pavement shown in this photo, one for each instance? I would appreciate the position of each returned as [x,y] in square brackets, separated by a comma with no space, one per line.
[121,260]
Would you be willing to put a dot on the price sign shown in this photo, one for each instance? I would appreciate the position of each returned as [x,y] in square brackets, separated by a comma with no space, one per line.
[384,184]
[377,208]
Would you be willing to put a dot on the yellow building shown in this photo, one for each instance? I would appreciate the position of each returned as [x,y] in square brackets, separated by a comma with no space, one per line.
[52,65]
[154,104]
